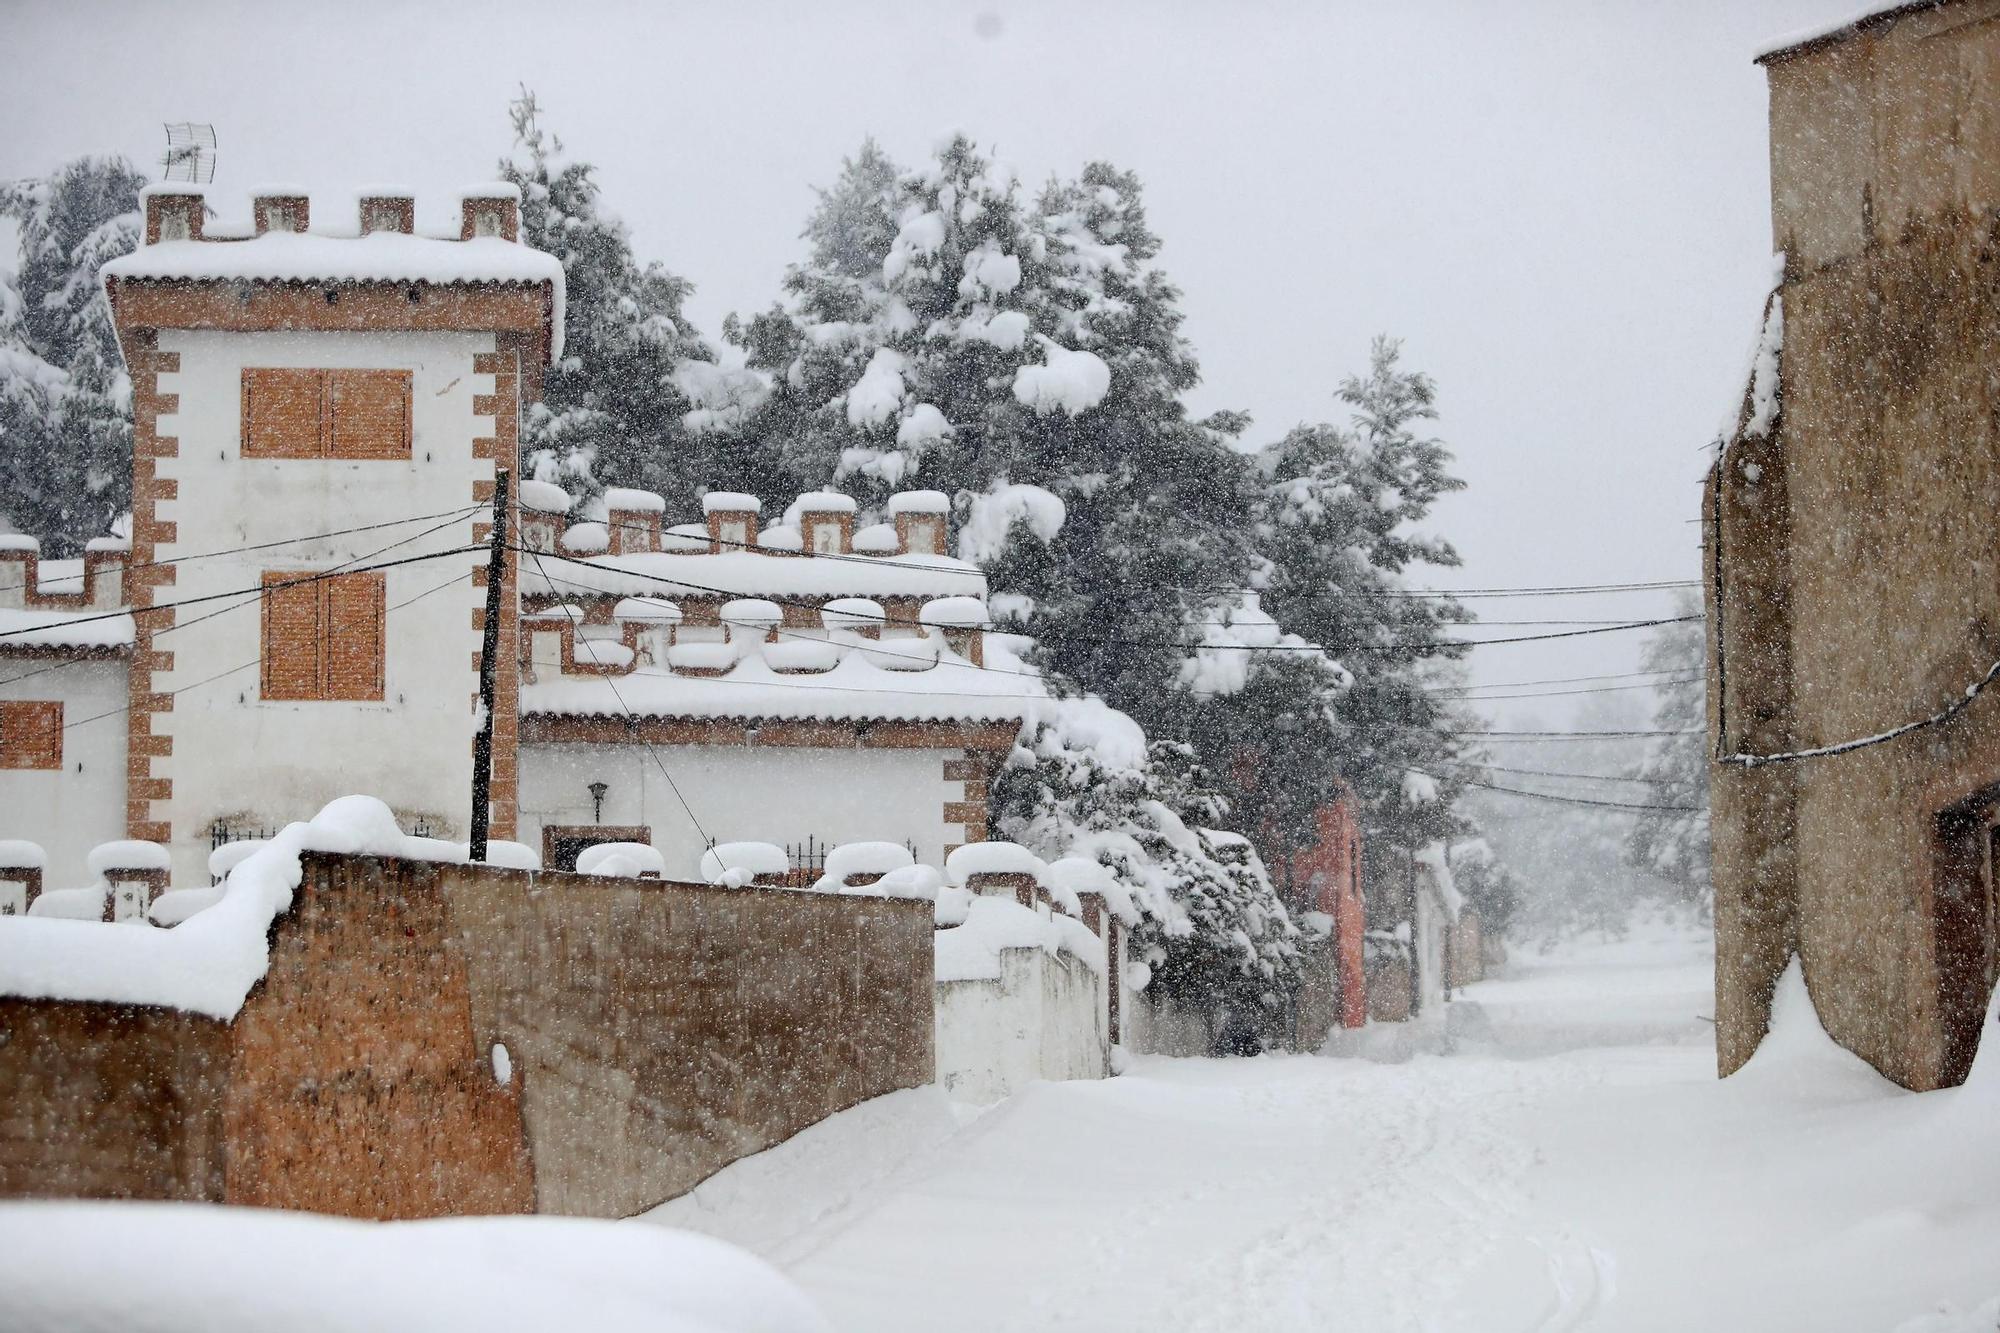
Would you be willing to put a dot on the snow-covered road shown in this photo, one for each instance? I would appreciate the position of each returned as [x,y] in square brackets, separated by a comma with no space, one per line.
[1571,1163]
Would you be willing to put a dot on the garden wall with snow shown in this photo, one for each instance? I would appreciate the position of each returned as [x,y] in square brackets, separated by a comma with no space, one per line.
[1025,975]
[359,1030]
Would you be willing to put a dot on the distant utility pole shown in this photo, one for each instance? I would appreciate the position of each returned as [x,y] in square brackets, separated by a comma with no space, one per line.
[489,650]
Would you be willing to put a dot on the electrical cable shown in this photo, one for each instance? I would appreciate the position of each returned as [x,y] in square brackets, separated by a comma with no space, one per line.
[633,719]
[249,599]
[453,514]
[209,680]
[1427,645]
[240,592]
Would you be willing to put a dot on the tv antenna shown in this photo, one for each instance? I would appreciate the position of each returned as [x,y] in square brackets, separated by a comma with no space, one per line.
[190,154]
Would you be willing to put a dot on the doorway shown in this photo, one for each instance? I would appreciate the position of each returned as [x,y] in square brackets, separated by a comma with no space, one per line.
[1965,910]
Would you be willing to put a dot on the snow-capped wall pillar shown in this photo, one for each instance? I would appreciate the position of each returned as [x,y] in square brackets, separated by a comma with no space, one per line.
[633,518]
[826,522]
[995,884]
[491,211]
[281,210]
[21,865]
[732,520]
[923,522]
[174,213]
[390,211]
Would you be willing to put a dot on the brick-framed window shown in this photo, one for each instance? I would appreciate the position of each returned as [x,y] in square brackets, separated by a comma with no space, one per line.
[299,413]
[322,640]
[31,732]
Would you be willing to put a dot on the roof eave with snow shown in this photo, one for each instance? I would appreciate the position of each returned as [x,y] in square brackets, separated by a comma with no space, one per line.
[1828,34]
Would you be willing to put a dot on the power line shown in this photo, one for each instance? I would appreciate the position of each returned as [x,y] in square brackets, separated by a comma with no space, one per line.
[1558,680]
[250,599]
[1579,735]
[1552,590]
[1440,644]
[1943,715]
[288,541]
[220,675]
[1587,801]
[633,718]
[1551,773]
[238,592]
[1558,694]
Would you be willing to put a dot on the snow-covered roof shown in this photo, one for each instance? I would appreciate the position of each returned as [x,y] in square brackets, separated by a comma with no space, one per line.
[338,254]
[738,573]
[733,502]
[1841,28]
[382,256]
[21,628]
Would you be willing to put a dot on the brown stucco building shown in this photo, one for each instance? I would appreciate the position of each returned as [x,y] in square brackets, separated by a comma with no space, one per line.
[1854,575]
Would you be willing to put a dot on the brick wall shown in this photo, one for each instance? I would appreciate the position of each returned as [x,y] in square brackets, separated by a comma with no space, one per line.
[663,1030]
[101,1101]
[658,1031]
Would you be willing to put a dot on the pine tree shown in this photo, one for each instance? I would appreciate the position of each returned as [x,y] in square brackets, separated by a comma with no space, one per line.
[1026,357]
[637,399]
[1674,843]
[1338,522]
[1213,934]
[65,400]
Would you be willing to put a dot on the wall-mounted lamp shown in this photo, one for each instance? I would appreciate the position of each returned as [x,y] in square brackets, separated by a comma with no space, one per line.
[597,790]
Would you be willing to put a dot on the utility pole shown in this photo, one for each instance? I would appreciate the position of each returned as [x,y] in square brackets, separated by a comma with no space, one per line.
[489,651]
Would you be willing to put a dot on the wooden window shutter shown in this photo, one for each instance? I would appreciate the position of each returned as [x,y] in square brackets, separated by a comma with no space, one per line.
[31,733]
[284,413]
[353,636]
[291,637]
[370,413]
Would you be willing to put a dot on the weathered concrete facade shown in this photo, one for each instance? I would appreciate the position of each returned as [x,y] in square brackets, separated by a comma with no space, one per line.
[655,1032]
[1854,579]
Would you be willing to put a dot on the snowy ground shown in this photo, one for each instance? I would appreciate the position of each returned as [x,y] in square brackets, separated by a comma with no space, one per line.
[1570,1163]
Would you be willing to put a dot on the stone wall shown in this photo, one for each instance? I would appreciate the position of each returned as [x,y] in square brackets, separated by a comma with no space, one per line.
[655,1032]
[1855,582]
[663,1030]
[103,1102]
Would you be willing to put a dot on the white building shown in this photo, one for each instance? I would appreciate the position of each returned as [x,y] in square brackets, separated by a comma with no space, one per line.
[319,408]
[800,684]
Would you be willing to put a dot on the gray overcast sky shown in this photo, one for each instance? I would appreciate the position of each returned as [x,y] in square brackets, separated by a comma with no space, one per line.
[1561,207]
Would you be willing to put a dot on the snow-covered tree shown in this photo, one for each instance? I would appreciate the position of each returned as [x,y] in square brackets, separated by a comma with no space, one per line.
[637,399]
[1213,933]
[65,400]
[1339,527]
[1674,843]
[1024,355]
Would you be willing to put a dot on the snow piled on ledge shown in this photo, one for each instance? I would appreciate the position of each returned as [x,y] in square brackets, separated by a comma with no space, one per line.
[22,628]
[208,963]
[378,257]
[183,1268]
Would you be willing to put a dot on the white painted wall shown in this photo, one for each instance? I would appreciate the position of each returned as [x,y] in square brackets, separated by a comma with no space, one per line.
[1432,921]
[72,809]
[1045,1018]
[775,794]
[1155,1025]
[236,756]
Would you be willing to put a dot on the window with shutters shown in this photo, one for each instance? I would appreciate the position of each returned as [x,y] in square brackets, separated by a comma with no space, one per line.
[31,732]
[298,413]
[322,640]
